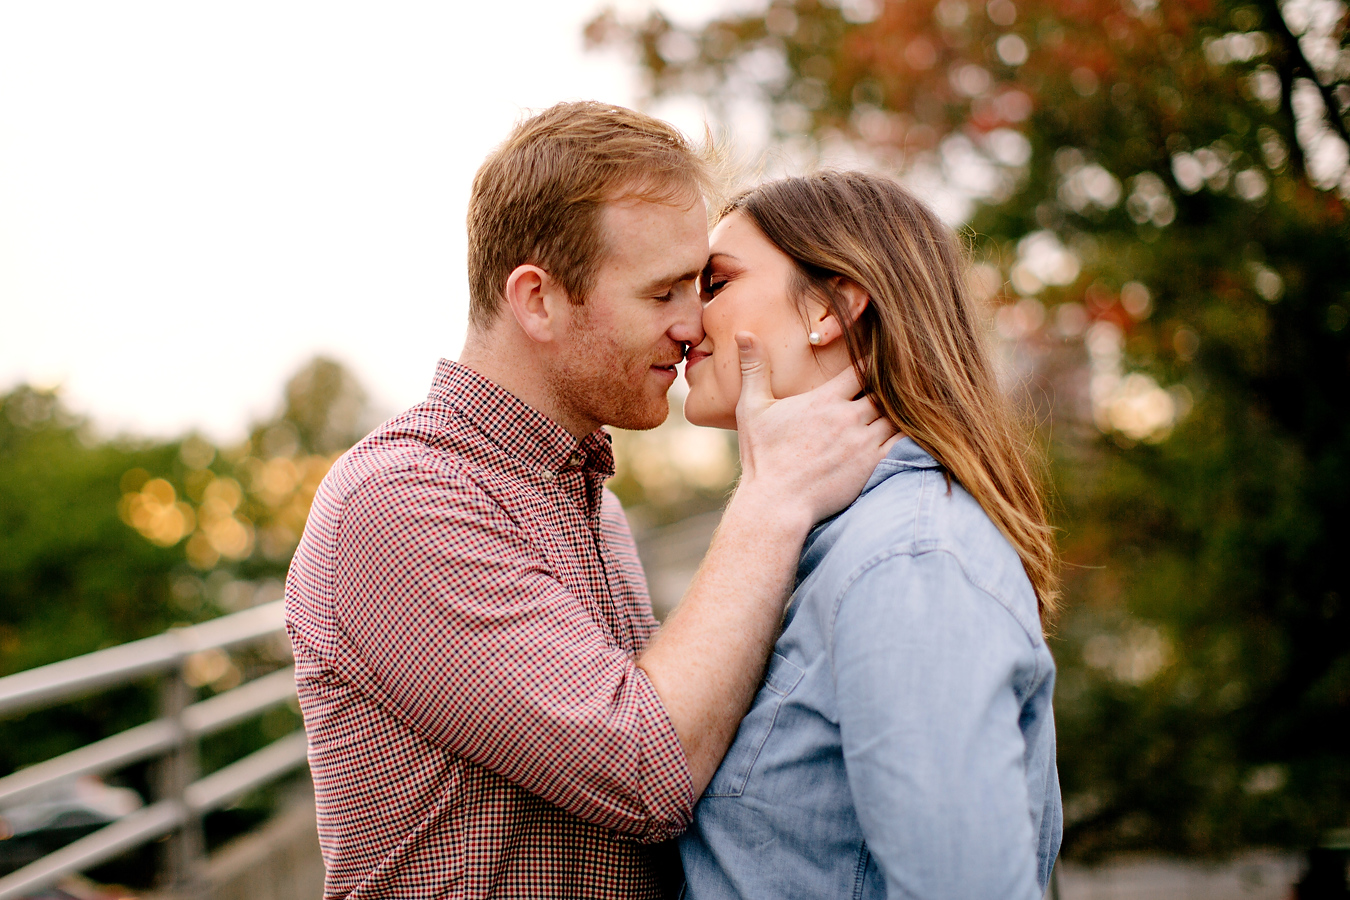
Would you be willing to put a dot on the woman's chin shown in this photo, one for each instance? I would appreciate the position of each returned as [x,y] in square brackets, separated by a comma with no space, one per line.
[699,412]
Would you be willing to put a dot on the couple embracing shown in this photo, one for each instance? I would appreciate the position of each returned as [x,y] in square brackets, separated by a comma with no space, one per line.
[853,698]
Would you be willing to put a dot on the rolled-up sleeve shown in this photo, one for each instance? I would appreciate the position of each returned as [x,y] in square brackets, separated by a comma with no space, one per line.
[926,668]
[470,640]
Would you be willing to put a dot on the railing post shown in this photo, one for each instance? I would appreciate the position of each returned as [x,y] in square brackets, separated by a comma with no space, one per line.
[180,865]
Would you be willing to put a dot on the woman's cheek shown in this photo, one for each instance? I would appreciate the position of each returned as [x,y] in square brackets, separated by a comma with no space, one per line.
[729,378]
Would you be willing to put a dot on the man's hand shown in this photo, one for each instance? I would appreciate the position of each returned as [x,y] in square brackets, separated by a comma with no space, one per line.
[803,458]
[811,453]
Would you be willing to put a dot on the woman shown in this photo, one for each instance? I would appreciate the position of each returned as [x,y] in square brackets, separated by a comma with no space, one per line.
[903,743]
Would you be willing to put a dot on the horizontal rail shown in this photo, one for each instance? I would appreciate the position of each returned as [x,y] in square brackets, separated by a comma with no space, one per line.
[107,755]
[237,704]
[124,834]
[222,787]
[210,793]
[152,738]
[65,680]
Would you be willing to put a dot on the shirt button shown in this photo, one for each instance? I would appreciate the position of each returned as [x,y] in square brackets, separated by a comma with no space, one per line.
[574,460]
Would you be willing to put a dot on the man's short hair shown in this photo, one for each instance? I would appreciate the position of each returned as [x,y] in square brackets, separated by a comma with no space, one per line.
[537,197]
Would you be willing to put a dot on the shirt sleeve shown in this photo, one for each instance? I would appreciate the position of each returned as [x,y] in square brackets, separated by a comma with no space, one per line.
[463,632]
[925,666]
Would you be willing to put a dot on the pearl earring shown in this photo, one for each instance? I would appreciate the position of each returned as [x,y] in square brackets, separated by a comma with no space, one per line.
[814,337]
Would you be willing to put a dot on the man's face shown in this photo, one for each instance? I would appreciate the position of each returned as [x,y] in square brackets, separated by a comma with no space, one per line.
[619,355]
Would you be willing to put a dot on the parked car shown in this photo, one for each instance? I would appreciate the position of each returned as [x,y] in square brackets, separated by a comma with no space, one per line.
[65,813]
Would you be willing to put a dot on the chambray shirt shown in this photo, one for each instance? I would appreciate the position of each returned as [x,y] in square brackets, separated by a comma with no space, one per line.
[903,743]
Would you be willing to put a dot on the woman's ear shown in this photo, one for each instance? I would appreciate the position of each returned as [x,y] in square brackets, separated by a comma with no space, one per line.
[822,318]
[854,296]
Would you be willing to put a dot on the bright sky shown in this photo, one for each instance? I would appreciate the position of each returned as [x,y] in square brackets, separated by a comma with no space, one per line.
[196,198]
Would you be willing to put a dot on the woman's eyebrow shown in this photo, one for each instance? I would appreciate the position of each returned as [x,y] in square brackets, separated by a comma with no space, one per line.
[717,257]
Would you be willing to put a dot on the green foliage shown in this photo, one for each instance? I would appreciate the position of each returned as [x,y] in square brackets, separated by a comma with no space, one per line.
[1160,223]
[107,541]
[73,577]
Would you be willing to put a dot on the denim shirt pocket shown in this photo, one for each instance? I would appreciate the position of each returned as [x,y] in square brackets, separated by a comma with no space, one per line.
[729,781]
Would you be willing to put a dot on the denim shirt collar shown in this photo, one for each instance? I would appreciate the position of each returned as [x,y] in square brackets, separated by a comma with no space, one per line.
[905,455]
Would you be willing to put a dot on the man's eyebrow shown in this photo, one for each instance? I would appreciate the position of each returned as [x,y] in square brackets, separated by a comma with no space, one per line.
[666,281]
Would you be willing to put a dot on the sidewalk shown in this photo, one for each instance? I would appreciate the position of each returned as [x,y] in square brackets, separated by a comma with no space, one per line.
[1258,875]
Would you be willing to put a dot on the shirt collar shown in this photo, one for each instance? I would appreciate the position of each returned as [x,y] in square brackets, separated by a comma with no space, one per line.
[518,428]
[906,454]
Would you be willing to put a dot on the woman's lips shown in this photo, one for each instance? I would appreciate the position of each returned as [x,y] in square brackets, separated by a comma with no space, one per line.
[694,356]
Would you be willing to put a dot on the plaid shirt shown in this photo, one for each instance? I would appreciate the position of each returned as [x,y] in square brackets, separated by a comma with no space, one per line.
[465,607]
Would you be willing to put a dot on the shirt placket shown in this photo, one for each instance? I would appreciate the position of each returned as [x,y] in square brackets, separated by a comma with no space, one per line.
[583,491]
[621,625]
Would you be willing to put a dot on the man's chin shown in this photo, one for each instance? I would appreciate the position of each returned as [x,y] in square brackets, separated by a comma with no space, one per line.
[650,415]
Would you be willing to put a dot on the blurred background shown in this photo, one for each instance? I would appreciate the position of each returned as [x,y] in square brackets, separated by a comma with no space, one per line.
[231,242]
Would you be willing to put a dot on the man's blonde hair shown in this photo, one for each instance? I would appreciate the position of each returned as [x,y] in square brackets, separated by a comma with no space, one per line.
[537,198]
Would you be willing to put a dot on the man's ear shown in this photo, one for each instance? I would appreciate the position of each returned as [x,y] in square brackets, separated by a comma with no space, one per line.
[822,320]
[536,301]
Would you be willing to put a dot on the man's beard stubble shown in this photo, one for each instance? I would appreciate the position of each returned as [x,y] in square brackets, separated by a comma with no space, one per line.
[607,382]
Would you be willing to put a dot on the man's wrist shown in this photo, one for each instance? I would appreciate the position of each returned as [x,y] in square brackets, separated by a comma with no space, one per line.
[773,514]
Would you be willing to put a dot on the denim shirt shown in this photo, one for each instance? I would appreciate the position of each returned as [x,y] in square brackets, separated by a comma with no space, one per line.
[903,743]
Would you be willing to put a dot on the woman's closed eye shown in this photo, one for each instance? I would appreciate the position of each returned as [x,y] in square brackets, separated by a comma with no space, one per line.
[711,285]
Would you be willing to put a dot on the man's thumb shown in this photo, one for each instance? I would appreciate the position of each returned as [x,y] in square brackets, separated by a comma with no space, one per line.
[755,391]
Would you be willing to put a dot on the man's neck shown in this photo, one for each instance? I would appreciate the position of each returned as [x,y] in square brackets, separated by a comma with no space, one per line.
[514,364]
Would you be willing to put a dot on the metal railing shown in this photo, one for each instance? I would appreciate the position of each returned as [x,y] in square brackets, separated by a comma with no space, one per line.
[183,798]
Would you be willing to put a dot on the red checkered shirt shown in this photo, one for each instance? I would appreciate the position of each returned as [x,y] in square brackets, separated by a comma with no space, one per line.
[465,607]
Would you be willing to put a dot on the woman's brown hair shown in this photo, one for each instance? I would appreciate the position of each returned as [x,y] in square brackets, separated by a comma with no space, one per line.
[919,345]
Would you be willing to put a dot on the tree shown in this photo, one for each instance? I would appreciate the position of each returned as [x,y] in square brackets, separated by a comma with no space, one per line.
[1159,199]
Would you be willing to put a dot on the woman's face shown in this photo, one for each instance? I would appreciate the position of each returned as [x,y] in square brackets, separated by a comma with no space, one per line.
[746,288]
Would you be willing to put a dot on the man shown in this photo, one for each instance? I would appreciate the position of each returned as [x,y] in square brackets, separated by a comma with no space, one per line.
[488,711]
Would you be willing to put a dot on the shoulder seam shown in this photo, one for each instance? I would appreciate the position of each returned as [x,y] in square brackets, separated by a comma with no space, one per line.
[916,551]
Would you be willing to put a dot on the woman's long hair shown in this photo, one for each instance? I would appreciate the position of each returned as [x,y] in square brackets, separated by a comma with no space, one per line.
[919,345]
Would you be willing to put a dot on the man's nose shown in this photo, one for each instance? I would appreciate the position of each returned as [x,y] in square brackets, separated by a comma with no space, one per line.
[688,325]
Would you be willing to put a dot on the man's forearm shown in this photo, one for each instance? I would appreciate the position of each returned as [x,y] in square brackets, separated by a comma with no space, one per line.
[802,458]
[707,660]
